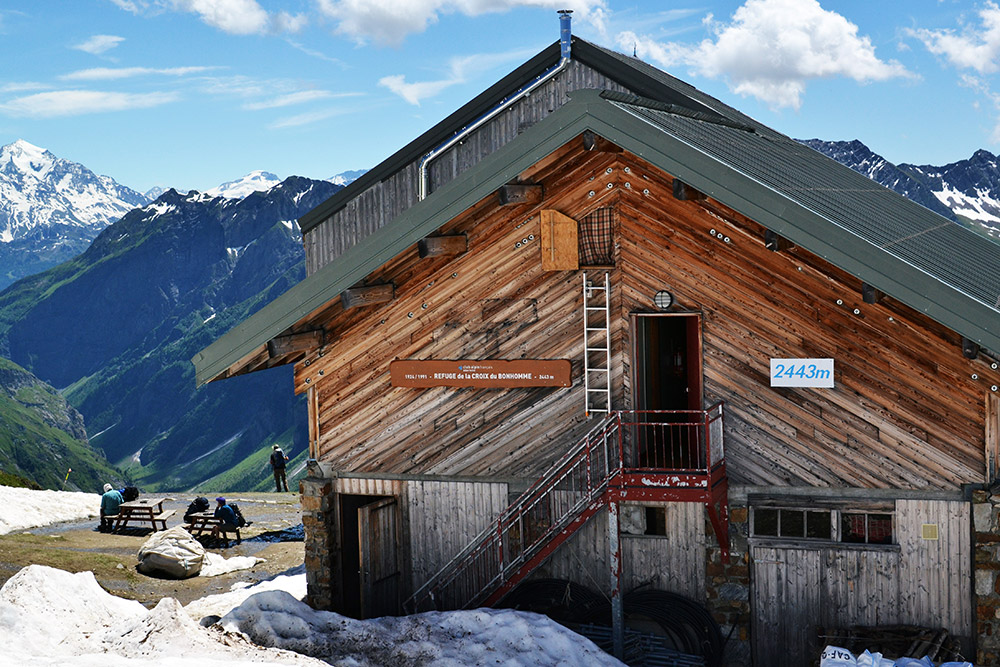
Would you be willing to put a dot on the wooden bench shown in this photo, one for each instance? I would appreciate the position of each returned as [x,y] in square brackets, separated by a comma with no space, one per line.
[161,518]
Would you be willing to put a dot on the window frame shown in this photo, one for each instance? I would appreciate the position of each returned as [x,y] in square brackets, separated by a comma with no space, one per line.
[837,515]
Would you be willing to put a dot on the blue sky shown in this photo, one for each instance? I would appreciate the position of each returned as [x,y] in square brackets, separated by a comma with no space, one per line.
[191,93]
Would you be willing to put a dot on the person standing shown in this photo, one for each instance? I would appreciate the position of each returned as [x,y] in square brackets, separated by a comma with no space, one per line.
[278,459]
[110,503]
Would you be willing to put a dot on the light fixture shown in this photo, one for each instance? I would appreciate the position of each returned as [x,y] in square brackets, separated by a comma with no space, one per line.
[663,299]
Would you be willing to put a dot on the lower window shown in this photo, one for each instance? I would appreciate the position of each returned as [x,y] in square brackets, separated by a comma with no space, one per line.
[829,525]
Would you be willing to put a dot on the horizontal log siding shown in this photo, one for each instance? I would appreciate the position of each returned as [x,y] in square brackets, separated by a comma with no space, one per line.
[444,517]
[382,202]
[492,302]
[905,412]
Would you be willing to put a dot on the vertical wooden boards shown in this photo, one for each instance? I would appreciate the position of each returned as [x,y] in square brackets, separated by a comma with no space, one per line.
[444,517]
[934,574]
[378,533]
[923,583]
[560,247]
[312,403]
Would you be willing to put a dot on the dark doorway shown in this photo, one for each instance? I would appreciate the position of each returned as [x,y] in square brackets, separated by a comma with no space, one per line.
[371,572]
[666,383]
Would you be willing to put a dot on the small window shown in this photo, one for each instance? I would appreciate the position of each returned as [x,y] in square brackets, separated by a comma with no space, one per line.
[848,526]
[656,521]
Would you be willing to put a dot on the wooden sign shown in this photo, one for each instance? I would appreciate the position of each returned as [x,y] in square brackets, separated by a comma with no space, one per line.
[482,374]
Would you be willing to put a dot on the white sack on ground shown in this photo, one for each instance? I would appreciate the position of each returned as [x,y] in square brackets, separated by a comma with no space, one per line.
[214,564]
[172,553]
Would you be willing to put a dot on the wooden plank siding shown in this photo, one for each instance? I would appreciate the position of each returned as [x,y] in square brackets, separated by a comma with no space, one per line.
[444,517]
[803,587]
[905,412]
[382,202]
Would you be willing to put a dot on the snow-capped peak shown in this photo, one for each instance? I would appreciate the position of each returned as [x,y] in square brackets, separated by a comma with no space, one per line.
[255,181]
[27,158]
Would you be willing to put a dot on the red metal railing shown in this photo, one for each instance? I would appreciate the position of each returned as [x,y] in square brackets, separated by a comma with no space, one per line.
[568,494]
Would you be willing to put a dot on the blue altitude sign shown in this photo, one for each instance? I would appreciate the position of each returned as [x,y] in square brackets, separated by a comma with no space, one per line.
[802,373]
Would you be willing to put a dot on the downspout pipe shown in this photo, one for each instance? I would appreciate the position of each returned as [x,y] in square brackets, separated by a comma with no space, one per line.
[565,39]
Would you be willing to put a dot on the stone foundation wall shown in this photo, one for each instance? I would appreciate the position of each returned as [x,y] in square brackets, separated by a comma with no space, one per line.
[727,586]
[319,521]
[986,571]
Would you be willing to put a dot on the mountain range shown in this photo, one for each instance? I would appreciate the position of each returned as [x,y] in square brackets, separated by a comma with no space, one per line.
[967,191]
[51,208]
[114,326]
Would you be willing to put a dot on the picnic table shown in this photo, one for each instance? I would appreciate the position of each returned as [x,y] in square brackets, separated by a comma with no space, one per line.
[145,510]
[199,522]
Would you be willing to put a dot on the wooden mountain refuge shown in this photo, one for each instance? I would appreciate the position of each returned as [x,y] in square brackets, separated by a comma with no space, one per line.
[598,326]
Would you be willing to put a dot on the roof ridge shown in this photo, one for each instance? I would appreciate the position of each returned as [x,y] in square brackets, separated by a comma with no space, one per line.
[675,109]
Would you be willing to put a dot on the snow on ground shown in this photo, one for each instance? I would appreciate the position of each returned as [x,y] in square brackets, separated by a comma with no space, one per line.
[51,618]
[21,509]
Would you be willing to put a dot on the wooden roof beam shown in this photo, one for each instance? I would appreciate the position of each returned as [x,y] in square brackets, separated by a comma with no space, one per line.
[521,193]
[684,192]
[774,242]
[437,246]
[367,295]
[281,346]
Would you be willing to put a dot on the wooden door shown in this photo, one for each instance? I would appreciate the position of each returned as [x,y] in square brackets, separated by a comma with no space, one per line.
[378,547]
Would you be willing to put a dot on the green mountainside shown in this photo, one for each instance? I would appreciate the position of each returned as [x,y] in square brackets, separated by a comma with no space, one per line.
[115,328]
[42,437]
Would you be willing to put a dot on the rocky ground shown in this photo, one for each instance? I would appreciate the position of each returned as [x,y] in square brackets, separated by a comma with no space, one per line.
[275,535]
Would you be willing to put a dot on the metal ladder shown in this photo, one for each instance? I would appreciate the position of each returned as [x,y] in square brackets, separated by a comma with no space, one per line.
[596,346]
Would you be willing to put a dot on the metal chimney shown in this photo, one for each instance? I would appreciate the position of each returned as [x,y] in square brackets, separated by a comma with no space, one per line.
[565,33]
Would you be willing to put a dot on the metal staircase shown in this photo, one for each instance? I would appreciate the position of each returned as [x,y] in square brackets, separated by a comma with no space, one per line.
[590,476]
[597,345]
[530,529]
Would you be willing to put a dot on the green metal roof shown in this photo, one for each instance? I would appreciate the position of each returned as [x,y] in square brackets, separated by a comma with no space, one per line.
[925,261]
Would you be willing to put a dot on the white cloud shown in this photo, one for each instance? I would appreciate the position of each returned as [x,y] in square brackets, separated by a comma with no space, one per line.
[109,73]
[771,49]
[388,22]
[98,44]
[291,99]
[238,17]
[309,118]
[975,47]
[460,69]
[415,92]
[77,102]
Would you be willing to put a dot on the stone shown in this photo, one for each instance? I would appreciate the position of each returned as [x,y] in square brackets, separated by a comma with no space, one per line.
[982,516]
[984,582]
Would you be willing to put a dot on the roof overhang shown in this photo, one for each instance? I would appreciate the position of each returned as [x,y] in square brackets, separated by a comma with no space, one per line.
[588,110]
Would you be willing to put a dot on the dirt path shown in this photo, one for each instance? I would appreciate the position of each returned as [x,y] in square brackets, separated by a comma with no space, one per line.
[275,535]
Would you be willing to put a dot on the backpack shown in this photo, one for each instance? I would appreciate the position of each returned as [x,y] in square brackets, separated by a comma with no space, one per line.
[199,504]
[130,493]
[240,521]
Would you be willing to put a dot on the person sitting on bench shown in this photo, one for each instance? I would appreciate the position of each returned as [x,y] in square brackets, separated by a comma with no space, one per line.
[227,517]
[110,503]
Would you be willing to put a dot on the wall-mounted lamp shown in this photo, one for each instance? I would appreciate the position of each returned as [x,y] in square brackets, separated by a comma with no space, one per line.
[663,299]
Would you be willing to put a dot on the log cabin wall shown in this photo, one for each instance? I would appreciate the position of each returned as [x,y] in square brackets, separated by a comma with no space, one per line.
[905,413]
[492,302]
[382,202]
